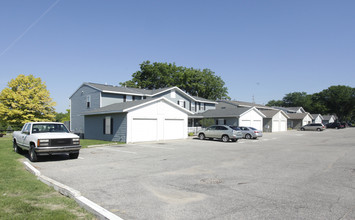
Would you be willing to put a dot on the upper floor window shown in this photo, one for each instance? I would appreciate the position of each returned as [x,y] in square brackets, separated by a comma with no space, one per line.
[88,101]
[182,103]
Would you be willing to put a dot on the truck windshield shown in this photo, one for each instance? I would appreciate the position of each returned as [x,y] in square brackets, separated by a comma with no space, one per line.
[44,128]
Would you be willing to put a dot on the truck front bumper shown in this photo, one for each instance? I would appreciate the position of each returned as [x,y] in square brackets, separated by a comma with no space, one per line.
[57,150]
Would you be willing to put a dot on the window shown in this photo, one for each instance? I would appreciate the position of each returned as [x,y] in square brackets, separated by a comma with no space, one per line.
[182,103]
[88,101]
[128,98]
[108,125]
[124,98]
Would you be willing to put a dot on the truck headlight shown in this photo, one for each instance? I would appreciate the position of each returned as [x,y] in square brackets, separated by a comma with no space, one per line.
[43,143]
[76,141]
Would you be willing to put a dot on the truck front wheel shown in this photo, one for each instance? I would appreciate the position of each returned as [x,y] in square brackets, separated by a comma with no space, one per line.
[33,154]
[74,155]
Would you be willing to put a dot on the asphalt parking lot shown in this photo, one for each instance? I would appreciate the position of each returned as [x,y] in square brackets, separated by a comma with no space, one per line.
[289,175]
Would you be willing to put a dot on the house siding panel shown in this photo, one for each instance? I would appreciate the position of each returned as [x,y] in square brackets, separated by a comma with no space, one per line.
[178,97]
[94,127]
[79,105]
[108,99]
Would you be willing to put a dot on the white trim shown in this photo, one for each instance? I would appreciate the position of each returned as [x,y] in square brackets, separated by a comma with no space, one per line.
[124,93]
[86,84]
[257,111]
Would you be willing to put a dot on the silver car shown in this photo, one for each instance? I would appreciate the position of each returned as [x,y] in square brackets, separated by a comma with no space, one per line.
[313,127]
[223,132]
[249,132]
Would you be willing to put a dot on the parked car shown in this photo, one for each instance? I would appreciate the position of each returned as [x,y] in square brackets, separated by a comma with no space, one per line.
[223,132]
[249,132]
[46,138]
[335,125]
[313,127]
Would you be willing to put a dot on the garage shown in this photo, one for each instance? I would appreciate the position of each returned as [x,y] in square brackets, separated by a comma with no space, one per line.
[156,121]
[137,121]
[252,118]
[275,121]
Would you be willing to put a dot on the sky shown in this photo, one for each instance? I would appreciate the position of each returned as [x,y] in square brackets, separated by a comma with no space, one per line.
[261,49]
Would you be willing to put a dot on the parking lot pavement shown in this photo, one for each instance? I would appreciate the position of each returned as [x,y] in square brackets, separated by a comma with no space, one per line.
[288,175]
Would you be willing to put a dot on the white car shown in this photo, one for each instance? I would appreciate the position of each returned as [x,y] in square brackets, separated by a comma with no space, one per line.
[223,132]
[249,132]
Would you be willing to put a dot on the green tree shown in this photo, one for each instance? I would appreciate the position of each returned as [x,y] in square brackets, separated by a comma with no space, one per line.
[62,117]
[275,103]
[203,83]
[206,122]
[25,99]
[296,99]
[339,100]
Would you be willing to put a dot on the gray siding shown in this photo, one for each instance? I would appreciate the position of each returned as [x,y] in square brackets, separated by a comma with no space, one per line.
[189,104]
[178,97]
[210,106]
[109,99]
[79,106]
[294,123]
[94,128]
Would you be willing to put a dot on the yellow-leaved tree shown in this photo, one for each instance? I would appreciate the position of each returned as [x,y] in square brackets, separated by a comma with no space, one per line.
[25,99]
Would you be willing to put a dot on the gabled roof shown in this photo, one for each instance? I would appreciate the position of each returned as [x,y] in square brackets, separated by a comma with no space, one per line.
[226,113]
[139,92]
[272,113]
[299,115]
[128,106]
[328,117]
[290,109]
[316,115]
[225,103]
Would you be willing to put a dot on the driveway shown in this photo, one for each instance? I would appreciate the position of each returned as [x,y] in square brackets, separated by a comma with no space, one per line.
[288,175]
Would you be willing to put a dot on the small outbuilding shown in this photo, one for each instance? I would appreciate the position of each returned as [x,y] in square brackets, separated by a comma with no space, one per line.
[238,116]
[297,120]
[137,121]
[317,118]
[275,120]
[328,119]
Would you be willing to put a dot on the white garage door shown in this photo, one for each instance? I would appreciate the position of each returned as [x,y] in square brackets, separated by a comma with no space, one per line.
[275,125]
[173,129]
[144,130]
[257,124]
[246,123]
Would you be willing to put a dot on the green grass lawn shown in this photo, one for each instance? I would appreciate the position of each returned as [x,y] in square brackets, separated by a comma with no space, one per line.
[87,142]
[22,196]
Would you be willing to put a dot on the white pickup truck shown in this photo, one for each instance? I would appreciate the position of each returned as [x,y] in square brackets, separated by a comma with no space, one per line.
[46,138]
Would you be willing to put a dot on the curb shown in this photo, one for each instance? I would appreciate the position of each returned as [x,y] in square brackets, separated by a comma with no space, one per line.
[87,204]
[102,145]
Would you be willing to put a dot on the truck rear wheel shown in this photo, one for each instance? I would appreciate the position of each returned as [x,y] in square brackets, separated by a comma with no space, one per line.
[32,154]
[17,149]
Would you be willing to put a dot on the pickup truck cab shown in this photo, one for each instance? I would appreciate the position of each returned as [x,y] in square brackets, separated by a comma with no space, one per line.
[46,138]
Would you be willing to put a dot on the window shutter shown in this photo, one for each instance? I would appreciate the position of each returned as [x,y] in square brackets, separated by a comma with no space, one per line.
[111,132]
[104,126]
